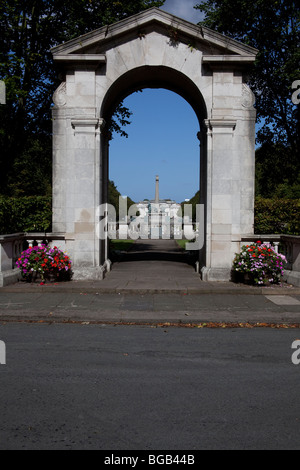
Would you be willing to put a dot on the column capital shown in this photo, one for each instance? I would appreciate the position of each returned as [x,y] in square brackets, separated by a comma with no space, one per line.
[220,126]
[87,125]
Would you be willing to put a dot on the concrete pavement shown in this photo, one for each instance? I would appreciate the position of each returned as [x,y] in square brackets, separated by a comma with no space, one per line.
[155,282]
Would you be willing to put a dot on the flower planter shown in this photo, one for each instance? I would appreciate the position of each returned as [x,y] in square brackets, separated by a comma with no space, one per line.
[258,264]
[42,263]
[242,278]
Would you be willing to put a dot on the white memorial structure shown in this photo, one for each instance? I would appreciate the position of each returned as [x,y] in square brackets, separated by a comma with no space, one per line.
[160,218]
[153,49]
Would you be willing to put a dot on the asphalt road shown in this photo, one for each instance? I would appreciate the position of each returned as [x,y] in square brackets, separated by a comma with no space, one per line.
[126,388]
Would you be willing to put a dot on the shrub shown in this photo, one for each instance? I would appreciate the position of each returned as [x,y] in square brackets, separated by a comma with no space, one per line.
[25,214]
[277,216]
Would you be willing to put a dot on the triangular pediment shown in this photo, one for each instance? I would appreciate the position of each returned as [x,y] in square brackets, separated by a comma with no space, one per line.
[216,47]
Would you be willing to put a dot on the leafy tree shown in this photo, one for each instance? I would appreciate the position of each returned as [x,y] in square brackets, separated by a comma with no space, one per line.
[277,216]
[28,30]
[276,171]
[193,201]
[25,214]
[273,27]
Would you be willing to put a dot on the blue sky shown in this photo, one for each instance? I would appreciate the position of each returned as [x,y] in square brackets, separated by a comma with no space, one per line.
[162,138]
[162,141]
[184,9]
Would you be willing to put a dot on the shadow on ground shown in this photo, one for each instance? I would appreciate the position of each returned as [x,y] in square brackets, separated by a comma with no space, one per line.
[155,250]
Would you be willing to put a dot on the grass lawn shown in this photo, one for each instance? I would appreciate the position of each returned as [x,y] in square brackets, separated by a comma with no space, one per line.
[182,243]
[125,245]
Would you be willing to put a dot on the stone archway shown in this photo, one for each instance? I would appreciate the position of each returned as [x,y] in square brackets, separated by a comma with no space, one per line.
[154,77]
[153,49]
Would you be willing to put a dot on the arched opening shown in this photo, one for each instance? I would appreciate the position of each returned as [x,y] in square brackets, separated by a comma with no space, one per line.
[154,77]
[162,140]
[157,78]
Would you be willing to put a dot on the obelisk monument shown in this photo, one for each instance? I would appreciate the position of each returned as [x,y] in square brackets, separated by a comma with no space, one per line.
[157,190]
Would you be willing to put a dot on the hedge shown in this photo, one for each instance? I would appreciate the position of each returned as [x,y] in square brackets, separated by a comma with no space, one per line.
[277,216]
[25,214]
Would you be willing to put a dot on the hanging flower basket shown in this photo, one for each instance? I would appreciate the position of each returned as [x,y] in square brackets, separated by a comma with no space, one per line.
[44,263]
[258,264]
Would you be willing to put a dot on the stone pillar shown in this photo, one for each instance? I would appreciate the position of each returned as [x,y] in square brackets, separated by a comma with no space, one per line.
[221,194]
[86,197]
[76,184]
[60,160]
[104,179]
[202,136]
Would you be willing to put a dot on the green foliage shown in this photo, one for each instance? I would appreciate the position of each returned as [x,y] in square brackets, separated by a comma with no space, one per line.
[25,214]
[113,197]
[277,216]
[182,243]
[121,245]
[31,173]
[277,172]
[28,31]
[286,191]
[273,28]
[193,201]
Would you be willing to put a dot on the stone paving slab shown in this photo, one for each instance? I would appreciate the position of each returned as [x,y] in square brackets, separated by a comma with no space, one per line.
[147,309]
[112,285]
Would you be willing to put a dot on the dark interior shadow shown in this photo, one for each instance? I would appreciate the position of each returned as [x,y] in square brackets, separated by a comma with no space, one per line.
[152,252]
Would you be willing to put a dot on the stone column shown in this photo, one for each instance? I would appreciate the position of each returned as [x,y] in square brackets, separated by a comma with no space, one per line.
[85,197]
[221,194]
[59,162]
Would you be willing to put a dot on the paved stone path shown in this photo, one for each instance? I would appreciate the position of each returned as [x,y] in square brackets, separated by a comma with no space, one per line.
[154,265]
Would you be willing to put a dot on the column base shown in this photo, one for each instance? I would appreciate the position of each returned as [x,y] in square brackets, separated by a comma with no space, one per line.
[292,277]
[89,274]
[215,274]
[10,277]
